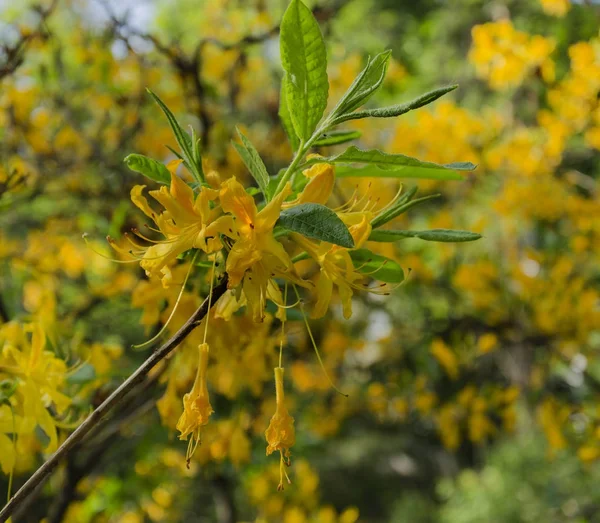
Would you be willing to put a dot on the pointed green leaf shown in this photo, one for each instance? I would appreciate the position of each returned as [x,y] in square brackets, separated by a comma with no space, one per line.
[148,167]
[318,222]
[253,162]
[399,109]
[183,139]
[384,165]
[373,171]
[378,267]
[286,118]
[338,137]
[304,59]
[364,86]
[399,209]
[433,235]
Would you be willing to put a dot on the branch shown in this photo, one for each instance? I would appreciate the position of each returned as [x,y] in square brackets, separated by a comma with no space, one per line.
[4,317]
[114,399]
[15,53]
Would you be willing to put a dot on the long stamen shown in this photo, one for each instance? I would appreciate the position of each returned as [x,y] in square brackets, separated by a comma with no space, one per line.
[392,201]
[370,273]
[314,344]
[111,241]
[348,202]
[142,346]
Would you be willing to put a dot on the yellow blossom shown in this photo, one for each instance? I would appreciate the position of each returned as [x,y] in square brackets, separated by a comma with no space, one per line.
[187,222]
[256,257]
[445,357]
[556,7]
[196,404]
[321,178]
[280,433]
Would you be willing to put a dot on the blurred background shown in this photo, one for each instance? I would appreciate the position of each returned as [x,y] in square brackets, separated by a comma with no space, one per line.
[473,389]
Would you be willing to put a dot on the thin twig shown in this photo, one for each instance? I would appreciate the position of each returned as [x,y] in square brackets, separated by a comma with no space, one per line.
[4,317]
[114,399]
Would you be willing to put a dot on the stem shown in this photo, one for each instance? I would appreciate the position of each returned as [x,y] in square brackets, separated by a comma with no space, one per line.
[303,148]
[114,399]
[292,167]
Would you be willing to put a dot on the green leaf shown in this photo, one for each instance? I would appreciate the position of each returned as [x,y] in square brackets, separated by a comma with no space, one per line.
[378,267]
[399,109]
[84,374]
[304,59]
[364,86]
[384,165]
[338,137]
[183,139]
[401,207]
[318,222]
[149,168]
[7,389]
[286,118]
[373,171]
[196,157]
[432,235]
[253,162]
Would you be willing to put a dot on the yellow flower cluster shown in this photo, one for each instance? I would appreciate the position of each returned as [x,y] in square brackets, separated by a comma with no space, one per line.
[504,56]
[33,381]
[556,7]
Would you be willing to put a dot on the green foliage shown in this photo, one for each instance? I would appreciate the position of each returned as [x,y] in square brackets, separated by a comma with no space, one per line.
[380,267]
[432,235]
[304,59]
[519,483]
[385,165]
[364,86]
[189,145]
[150,168]
[253,162]
[318,222]
[401,207]
[399,109]
[338,137]
[286,117]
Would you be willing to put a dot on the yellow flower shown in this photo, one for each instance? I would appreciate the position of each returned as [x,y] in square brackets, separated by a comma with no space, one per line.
[256,257]
[337,267]
[8,425]
[40,374]
[318,189]
[556,7]
[196,405]
[187,222]
[446,358]
[280,433]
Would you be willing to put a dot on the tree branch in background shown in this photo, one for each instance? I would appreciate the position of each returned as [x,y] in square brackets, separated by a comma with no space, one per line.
[114,399]
[14,53]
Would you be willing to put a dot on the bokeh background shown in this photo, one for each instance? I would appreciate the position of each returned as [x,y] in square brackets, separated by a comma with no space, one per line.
[473,389]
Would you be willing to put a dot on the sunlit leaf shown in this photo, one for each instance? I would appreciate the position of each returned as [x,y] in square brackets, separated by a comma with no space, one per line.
[148,167]
[304,60]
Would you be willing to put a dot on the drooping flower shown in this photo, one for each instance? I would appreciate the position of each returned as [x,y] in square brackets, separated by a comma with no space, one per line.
[280,434]
[196,405]
[256,257]
[187,222]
